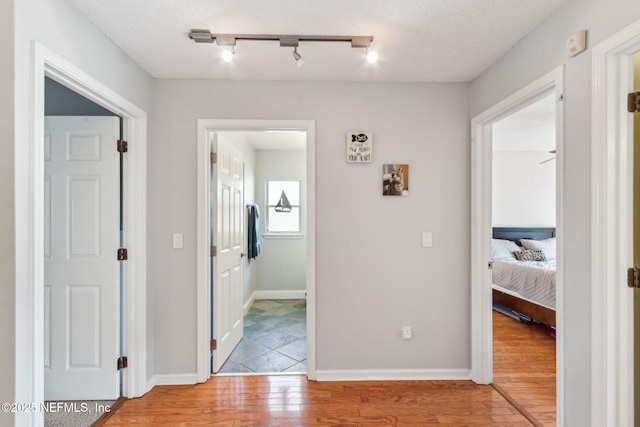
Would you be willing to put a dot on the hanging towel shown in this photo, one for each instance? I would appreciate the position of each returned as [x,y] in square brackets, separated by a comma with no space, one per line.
[253,243]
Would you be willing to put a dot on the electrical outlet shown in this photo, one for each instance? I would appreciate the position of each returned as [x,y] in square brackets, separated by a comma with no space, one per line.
[406,332]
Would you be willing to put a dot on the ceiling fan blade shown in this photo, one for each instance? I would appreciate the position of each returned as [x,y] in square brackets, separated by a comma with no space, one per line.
[548,160]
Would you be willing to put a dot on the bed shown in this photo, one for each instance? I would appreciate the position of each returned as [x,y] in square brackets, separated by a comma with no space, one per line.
[526,287]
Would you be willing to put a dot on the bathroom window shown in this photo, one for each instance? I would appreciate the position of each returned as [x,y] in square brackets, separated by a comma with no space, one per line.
[283,208]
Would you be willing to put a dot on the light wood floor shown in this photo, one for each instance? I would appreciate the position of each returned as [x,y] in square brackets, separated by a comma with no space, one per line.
[524,365]
[291,400]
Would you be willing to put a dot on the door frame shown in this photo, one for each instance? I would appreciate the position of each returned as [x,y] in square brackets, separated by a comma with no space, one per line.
[612,386]
[481,213]
[203,297]
[46,63]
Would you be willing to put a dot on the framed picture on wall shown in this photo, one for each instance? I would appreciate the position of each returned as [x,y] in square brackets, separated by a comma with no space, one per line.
[359,147]
[395,179]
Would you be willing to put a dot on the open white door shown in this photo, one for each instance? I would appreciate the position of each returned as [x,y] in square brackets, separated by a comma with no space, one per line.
[81,271]
[228,231]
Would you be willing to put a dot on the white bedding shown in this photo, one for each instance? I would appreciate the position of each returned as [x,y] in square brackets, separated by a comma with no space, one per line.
[531,280]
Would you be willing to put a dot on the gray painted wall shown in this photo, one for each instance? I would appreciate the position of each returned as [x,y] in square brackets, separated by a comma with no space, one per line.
[282,264]
[373,276]
[536,55]
[7,214]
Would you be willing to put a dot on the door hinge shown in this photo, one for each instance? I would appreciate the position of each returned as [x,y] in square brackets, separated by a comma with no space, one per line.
[633,277]
[490,265]
[123,146]
[214,344]
[123,254]
[214,251]
[633,102]
[214,158]
[122,362]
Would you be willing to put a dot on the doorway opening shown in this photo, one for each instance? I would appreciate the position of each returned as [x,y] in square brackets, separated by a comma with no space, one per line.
[483,230]
[273,257]
[524,257]
[277,303]
[83,280]
[30,313]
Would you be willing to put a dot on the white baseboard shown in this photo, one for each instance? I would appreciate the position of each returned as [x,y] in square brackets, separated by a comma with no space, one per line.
[392,374]
[293,294]
[172,379]
[247,305]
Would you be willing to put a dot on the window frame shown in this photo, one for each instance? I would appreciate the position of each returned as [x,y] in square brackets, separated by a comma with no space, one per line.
[283,234]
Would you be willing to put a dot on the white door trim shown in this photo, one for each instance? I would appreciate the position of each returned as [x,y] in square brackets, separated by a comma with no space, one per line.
[49,64]
[612,227]
[203,309]
[481,187]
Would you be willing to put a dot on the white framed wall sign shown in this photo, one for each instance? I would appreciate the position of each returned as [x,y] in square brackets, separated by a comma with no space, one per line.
[359,147]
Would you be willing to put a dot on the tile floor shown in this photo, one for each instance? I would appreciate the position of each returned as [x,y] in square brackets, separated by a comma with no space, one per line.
[275,339]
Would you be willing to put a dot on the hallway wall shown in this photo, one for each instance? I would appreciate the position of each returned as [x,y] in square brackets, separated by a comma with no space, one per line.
[7,213]
[373,276]
[536,55]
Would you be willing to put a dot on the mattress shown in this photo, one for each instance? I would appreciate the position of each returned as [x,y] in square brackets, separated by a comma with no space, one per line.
[531,280]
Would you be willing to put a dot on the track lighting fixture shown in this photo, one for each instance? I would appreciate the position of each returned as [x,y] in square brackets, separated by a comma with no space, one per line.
[297,57]
[286,40]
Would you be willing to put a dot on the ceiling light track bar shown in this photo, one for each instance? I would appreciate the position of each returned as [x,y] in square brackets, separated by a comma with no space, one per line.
[286,40]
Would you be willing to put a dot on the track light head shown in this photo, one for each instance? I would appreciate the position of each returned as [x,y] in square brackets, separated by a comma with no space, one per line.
[227,54]
[372,56]
[297,57]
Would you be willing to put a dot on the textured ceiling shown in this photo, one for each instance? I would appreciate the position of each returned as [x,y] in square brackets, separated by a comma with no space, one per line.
[417,40]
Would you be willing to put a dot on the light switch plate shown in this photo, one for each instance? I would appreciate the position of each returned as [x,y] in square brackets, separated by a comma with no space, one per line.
[177,241]
[427,239]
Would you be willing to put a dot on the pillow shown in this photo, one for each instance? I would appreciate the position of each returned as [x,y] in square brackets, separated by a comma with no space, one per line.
[503,249]
[548,246]
[530,255]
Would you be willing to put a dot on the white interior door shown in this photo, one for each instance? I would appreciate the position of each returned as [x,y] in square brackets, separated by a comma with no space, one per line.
[228,232]
[81,272]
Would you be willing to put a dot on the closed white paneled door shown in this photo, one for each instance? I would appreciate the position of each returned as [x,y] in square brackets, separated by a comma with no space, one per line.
[81,270]
[228,226]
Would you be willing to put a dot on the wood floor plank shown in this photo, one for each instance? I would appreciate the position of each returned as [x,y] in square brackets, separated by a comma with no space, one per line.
[524,366]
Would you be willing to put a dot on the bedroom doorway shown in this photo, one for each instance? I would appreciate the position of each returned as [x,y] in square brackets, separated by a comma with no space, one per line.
[524,257]
[544,94]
